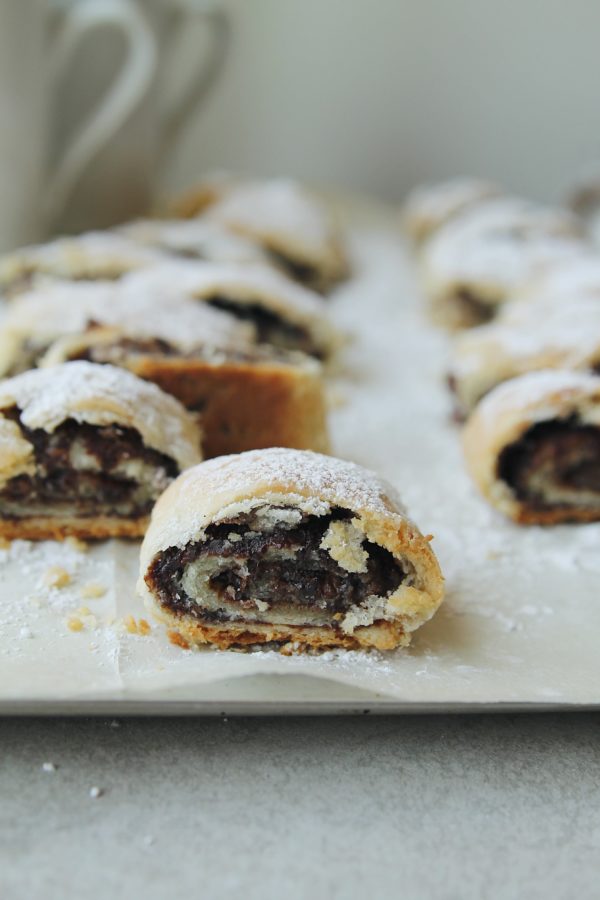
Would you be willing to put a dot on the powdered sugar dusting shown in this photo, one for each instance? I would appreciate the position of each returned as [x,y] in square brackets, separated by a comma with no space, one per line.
[103,395]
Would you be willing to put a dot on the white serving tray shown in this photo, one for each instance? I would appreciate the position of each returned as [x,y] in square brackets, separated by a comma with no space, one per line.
[519,628]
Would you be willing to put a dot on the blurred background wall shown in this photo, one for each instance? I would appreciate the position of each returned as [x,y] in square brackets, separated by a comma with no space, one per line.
[380,94]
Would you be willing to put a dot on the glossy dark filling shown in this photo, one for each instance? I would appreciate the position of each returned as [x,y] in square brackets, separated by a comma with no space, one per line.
[475,309]
[304,576]
[301,272]
[270,327]
[57,488]
[552,457]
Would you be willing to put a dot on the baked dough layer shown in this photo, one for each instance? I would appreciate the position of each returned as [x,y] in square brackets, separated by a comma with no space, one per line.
[474,263]
[271,493]
[532,447]
[280,215]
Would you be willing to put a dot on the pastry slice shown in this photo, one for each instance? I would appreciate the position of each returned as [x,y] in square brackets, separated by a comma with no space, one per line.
[430,206]
[287,549]
[53,310]
[473,264]
[85,257]
[85,450]
[280,215]
[529,338]
[284,314]
[249,395]
[532,447]
[198,238]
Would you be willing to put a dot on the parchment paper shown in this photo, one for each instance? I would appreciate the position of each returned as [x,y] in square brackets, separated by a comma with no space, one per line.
[522,616]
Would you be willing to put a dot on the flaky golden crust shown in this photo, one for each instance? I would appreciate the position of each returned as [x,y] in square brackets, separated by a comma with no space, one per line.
[289,638]
[502,419]
[313,484]
[245,406]
[55,528]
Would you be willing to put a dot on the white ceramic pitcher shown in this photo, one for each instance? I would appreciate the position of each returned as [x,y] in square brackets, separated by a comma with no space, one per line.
[36,47]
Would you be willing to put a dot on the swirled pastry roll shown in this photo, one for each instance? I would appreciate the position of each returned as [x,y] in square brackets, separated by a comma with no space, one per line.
[532,447]
[532,337]
[280,215]
[85,257]
[284,314]
[248,395]
[429,206]
[290,549]
[198,238]
[85,450]
[474,263]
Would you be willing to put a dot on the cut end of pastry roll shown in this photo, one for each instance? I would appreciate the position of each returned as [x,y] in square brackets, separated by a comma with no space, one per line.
[105,255]
[292,225]
[429,206]
[248,396]
[85,450]
[287,549]
[282,313]
[532,447]
[473,264]
[532,338]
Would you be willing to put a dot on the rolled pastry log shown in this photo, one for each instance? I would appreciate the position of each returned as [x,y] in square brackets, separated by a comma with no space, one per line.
[429,206]
[249,395]
[282,313]
[292,226]
[532,447]
[84,257]
[85,450]
[474,263]
[288,549]
[536,336]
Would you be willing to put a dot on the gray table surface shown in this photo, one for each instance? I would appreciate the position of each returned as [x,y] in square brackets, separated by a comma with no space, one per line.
[448,807]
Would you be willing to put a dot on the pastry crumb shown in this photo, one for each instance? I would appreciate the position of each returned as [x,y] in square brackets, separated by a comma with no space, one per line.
[178,640]
[4,544]
[92,590]
[75,624]
[77,544]
[56,577]
[141,626]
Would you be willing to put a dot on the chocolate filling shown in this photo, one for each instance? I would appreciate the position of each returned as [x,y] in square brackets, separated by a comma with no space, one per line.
[85,470]
[301,272]
[270,328]
[279,575]
[555,464]
[475,310]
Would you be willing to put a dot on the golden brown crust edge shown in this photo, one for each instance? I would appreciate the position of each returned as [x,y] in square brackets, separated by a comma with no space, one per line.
[245,406]
[53,528]
[290,638]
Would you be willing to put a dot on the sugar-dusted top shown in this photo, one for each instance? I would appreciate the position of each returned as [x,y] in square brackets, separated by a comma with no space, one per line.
[270,479]
[430,205]
[502,242]
[244,284]
[53,309]
[536,393]
[92,254]
[200,237]
[279,207]
[104,395]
